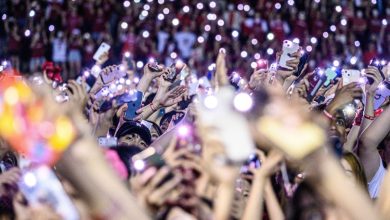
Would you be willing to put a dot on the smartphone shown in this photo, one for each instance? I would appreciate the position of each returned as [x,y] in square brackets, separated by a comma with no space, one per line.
[128,58]
[315,82]
[331,74]
[230,125]
[252,162]
[117,73]
[302,61]
[289,48]
[381,94]
[103,48]
[261,64]
[379,65]
[40,184]
[154,67]
[107,142]
[102,93]
[133,106]
[120,100]
[150,158]
[350,76]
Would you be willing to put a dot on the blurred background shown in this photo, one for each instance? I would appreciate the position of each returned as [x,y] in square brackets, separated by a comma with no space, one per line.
[340,33]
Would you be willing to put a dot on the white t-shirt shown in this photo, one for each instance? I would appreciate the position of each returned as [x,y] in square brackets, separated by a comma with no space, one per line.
[375,184]
[59,50]
[185,42]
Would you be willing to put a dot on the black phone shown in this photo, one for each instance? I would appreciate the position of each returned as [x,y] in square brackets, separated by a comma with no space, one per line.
[302,61]
[315,82]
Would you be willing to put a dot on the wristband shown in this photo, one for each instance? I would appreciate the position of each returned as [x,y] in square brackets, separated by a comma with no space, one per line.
[328,115]
[369,117]
[378,112]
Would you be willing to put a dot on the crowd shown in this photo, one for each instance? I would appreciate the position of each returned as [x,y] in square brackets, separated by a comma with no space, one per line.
[194,109]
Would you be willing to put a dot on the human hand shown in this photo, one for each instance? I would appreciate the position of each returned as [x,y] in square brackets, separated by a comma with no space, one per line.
[173,97]
[77,93]
[373,75]
[344,95]
[9,178]
[258,78]
[102,59]
[23,211]
[293,63]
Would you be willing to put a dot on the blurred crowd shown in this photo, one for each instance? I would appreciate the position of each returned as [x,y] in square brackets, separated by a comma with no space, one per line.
[68,32]
[194,110]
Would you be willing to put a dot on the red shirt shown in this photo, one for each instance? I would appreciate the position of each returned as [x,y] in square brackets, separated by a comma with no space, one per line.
[38,50]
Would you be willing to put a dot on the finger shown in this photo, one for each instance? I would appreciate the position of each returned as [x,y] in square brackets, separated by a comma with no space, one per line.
[164,189]
[161,173]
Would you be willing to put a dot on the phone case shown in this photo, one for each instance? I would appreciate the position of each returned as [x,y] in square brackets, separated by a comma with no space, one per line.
[133,106]
[231,126]
[350,76]
[330,75]
[41,184]
[380,96]
[289,48]
[315,82]
[103,48]
[114,75]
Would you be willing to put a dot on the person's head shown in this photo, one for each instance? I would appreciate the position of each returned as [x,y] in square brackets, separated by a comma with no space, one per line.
[134,133]
[340,126]
[155,130]
[354,169]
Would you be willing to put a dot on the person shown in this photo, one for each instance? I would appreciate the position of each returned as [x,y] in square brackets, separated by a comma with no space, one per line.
[60,48]
[133,133]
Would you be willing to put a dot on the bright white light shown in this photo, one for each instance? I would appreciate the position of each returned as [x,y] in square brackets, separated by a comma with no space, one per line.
[160,2]
[333,28]
[211,67]
[207,27]
[4,63]
[175,21]
[145,34]
[254,41]
[244,54]
[210,102]
[313,40]
[218,37]
[200,39]
[373,2]
[31,13]
[343,22]
[29,179]
[199,6]
[336,63]
[144,13]
[362,80]
[166,11]
[338,8]
[270,51]
[240,7]
[257,56]
[317,1]
[127,54]
[124,25]
[325,34]
[253,65]
[270,36]
[140,64]
[160,17]
[357,44]
[173,55]
[183,130]
[136,80]
[86,73]
[146,7]
[349,110]
[220,22]
[243,102]
[235,34]
[353,60]
[126,4]
[384,22]
[27,33]
[211,17]
[139,165]
[278,6]
[212,4]
[290,2]
[309,48]
[186,9]
[296,40]
[4,17]
[247,8]
[51,28]
[137,1]
[381,86]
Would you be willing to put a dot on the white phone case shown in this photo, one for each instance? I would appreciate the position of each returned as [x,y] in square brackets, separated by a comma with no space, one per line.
[104,47]
[350,76]
[289,48]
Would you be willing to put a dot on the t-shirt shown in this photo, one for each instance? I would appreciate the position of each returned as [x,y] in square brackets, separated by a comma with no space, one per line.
[185,42]
[162,40]
[375,184]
